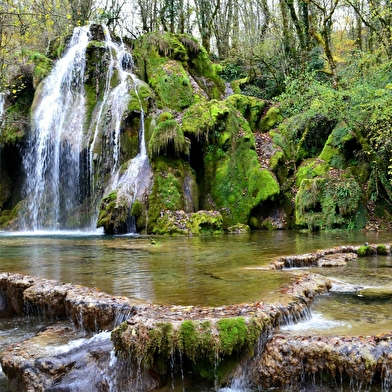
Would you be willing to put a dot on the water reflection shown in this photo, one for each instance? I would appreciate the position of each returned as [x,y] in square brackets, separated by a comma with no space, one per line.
[183,270]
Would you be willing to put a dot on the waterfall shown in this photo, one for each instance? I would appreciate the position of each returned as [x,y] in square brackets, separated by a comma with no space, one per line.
[2,99]
[131,180]
[52,158]
[68,163]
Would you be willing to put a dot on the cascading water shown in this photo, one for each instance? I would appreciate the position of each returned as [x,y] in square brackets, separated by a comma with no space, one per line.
[107,127]
[52,158]
[130,183]
[2,99]
[70,164]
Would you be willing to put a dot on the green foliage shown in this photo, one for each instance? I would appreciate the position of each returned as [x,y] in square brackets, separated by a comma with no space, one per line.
[327,202]
[42,66]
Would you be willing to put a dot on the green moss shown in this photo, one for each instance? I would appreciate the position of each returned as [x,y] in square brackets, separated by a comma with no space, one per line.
[232,335]
[141,95]
[236,85]
[312,132]
[363,251]
[239,228]
[114,214]
[196,341]
[42,66]
[382,249]
[171,84]
[214,348]
[165,61]
[168,139]
[234,182]
[251,108]
[276,159]
[311,169]
[271,119]
[8,216]
[202,119]
[205,222]
[169,190]
[91,101]
[137,208]
[335,151]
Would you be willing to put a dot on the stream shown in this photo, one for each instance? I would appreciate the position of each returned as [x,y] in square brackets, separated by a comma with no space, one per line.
[203,270]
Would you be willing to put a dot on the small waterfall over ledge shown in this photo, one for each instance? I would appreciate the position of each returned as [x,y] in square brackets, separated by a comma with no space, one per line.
[73,155]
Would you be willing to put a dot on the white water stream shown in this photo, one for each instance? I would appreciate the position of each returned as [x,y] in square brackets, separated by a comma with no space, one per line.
[57,175]
[2,99]
[52,159]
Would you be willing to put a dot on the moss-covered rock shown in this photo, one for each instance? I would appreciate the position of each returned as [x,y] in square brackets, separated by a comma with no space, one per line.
[114,214]
[233,180]
[364,250]
[167,138]
[177,69]
[182,223]
[239,228]
[207,344]
[174,188]
[310,169]
[271,119]
[251,108]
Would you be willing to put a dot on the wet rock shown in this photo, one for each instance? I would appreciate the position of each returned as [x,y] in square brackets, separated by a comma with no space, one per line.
[357,360]
[60,359]
[88,308]
[326,258]
[336,260]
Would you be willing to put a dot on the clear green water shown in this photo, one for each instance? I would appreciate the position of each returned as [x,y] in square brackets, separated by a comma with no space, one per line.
[207,271]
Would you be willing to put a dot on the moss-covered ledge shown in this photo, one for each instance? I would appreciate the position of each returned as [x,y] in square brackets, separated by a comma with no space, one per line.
[327,257]
[210,341]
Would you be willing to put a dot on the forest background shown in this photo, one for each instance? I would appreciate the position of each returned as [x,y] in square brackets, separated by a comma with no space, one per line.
[323,60]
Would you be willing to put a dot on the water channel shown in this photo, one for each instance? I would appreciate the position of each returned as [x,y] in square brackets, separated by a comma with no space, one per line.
[206,271]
